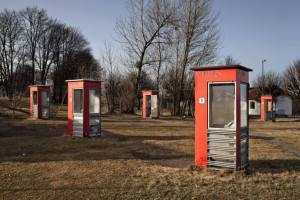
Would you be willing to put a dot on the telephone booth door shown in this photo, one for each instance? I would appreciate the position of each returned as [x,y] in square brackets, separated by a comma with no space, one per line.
[35,104]
[148,105]
[45,104]
[77,125]
[94,111]
[154,106]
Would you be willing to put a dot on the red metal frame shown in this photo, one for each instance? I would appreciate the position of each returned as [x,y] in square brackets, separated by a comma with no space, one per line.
[204,75]
[86,85]
[262,106]
[146,93]
[39,89]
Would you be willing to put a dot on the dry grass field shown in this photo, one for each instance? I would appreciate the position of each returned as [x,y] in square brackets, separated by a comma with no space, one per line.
[139,159]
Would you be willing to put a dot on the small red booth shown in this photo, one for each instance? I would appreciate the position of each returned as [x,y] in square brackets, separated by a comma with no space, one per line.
[84,112]
[39,101]
[150,104]
[221,117]
[267,108]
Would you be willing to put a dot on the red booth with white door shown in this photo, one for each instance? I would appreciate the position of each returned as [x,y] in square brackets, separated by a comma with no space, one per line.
[150,104]
[267,108]
[39,101]
[84,107]
[221,117]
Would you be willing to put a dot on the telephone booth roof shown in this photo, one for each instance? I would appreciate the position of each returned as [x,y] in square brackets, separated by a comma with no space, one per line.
[83,80]
[39,86]
[150,91]
[267,95]
[222,67]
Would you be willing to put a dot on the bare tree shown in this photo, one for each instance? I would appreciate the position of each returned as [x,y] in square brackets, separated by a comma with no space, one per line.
[45,50]
[33,21]
[127,86]
[292,84]
[68,43]
[111,89]
[87,66]
[138,32]
[11,55]
[229,60]
[272,84]
[196,37]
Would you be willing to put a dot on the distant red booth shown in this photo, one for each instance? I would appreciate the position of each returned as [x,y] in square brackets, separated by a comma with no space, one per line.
[221,117]
[84,107]
[39,101]
[267,108]
[150,104]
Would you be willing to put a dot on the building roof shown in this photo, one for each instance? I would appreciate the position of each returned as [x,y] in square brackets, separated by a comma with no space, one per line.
[222,67]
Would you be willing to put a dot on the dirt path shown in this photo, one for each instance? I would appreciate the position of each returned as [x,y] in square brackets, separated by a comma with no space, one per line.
[276,142]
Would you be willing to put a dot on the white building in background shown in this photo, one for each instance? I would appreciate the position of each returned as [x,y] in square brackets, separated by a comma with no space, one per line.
[2,91]
[283,106]
[254,107]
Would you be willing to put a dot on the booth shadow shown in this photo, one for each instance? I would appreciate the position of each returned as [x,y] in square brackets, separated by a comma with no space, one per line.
[34,148]
[260,137]
[145,138]
[274,166]
[43,128]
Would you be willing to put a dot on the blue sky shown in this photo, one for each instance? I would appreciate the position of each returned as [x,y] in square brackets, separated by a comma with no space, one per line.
[251,30]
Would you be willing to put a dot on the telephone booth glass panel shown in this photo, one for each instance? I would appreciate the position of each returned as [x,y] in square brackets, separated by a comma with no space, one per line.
[45,98]
[244,105]
[148,105]
[222,105]
[45,104]
[78,101]
[94,101]
[34,97]
[268,104]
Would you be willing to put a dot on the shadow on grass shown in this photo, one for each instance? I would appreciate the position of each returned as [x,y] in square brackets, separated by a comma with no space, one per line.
[274,166]
[260,137]
[111,146]
[283,129]
[146,137]
[13,128]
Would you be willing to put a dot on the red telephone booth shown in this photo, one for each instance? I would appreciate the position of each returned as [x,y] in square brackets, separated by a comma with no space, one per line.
[39,101]
[84,107]
[267,108]
[150,104]
[221,116]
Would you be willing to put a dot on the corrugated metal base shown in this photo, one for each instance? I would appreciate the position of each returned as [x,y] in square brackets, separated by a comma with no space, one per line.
[221,149]
[45,113]
[95,126]
[35,111]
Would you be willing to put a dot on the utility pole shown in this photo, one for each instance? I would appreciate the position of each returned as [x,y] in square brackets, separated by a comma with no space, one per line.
[263,76]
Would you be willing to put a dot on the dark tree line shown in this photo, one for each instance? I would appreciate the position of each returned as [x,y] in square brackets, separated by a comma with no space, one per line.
[43,50]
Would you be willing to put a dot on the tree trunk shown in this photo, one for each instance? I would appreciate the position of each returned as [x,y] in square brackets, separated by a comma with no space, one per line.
[32,69]
[139,66]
